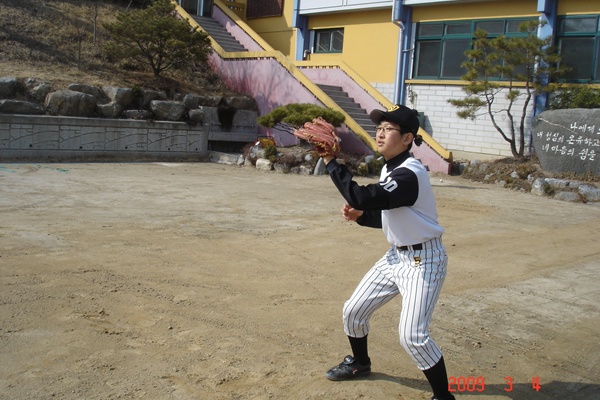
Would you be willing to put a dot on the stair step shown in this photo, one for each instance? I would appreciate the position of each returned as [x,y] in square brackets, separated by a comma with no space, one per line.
[219,34]
[350,107]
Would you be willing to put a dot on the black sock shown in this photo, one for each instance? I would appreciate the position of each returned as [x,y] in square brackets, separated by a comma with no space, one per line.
[438,379]
[359,349]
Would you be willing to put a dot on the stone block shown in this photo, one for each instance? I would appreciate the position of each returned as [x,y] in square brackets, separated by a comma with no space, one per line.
[568,140]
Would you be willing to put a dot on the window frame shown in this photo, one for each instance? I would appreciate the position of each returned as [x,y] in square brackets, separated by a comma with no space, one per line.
[443,38]
[590,34]
[316,33]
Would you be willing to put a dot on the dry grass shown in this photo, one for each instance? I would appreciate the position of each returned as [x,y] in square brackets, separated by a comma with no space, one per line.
[57,41]
[503,169]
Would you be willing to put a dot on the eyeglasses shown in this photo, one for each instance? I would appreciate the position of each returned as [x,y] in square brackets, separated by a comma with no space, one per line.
[386,129]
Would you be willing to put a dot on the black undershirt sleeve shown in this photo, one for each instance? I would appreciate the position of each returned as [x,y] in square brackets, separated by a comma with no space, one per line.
[400,189]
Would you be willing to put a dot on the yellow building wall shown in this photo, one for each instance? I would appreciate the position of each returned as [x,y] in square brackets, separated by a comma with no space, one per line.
[493,9]
[277,31]
[569,7]
[370,43]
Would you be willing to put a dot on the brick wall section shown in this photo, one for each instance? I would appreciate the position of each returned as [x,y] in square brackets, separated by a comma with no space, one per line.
[457,134]
[386,89]
[264,8]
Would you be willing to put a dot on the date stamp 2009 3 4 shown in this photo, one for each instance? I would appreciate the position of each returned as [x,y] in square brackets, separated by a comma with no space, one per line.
[477,383]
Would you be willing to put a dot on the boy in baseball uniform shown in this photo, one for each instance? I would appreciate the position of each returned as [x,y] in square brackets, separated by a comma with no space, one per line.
[403,206]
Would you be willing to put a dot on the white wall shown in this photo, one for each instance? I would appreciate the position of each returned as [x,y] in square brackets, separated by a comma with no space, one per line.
[462,135]
[320,6]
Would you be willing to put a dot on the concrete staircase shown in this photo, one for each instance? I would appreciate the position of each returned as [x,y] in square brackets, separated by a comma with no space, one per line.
[219,34]
[261,72]
[351,107]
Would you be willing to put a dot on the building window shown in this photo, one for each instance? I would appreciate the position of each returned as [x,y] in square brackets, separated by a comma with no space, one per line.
[328,40]
[440,46]
[578,40]
[263,8]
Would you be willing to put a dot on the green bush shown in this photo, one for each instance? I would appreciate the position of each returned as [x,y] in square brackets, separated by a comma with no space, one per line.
[580,96]
[270,152]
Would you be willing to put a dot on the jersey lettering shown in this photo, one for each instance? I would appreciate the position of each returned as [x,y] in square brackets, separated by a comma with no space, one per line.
[389,185]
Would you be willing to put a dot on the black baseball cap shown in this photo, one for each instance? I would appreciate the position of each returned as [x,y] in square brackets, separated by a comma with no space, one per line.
[398,114]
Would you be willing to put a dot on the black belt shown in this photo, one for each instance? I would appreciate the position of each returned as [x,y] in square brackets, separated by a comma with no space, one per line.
[414,247]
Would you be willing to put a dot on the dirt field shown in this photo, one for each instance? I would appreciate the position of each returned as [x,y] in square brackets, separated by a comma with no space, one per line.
[209,281]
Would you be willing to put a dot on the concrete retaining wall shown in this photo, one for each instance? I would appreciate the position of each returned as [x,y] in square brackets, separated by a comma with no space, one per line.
[47,138]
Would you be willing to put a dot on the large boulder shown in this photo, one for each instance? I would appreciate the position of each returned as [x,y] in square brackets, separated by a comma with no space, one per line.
[165,110]
[110,110]
[101,98]
[38,90]
[568,140]
[123,96]
[147,95]
[8,87]
[71,103]
[21,107]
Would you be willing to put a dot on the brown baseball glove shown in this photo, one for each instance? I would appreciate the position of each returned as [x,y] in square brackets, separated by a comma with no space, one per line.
[321,134]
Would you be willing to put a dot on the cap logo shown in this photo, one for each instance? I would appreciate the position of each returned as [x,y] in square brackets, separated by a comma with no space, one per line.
[393,108]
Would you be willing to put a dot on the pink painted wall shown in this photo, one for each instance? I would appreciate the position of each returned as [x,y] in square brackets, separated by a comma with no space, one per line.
[337,77]
[272,85]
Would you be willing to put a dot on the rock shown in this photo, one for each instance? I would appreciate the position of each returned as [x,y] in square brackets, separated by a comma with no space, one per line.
[282,168]
[567,196]
[242,103]
[540,187]
[301,170]
[110,110]
[21,107]
[209,100]
[590,193]
[166,110]
[191,101]
[196,115]
[264,164]
[257,152]
[70,103]
[320,168]
[566,140]
[557,183]
[8,87]
[123,96]
[146,96]
[88,89]
[38,90]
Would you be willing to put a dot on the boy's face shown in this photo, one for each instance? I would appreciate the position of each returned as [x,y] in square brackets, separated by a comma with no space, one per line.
[390,141]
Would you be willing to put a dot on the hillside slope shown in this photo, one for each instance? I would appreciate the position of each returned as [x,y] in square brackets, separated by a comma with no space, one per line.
[61,41]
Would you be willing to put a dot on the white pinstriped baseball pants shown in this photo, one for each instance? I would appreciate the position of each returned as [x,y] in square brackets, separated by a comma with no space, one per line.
[417,276]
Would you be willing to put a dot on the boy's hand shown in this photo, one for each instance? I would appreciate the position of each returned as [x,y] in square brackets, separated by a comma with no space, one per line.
[350,214]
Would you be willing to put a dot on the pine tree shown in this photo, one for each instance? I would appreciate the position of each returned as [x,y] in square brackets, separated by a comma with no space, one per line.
[511,66]
[156,37]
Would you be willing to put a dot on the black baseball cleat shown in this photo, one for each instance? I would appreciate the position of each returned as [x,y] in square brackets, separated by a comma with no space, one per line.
[348,369]
[450,396]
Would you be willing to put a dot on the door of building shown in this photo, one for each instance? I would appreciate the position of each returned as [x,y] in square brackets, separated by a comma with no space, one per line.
[202,8]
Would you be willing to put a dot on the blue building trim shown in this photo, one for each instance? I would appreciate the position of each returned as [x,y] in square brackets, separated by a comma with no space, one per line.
[548,16]
[300,22]
[402,16]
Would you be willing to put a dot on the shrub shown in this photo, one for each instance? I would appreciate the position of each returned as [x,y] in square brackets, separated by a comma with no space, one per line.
[580,96]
